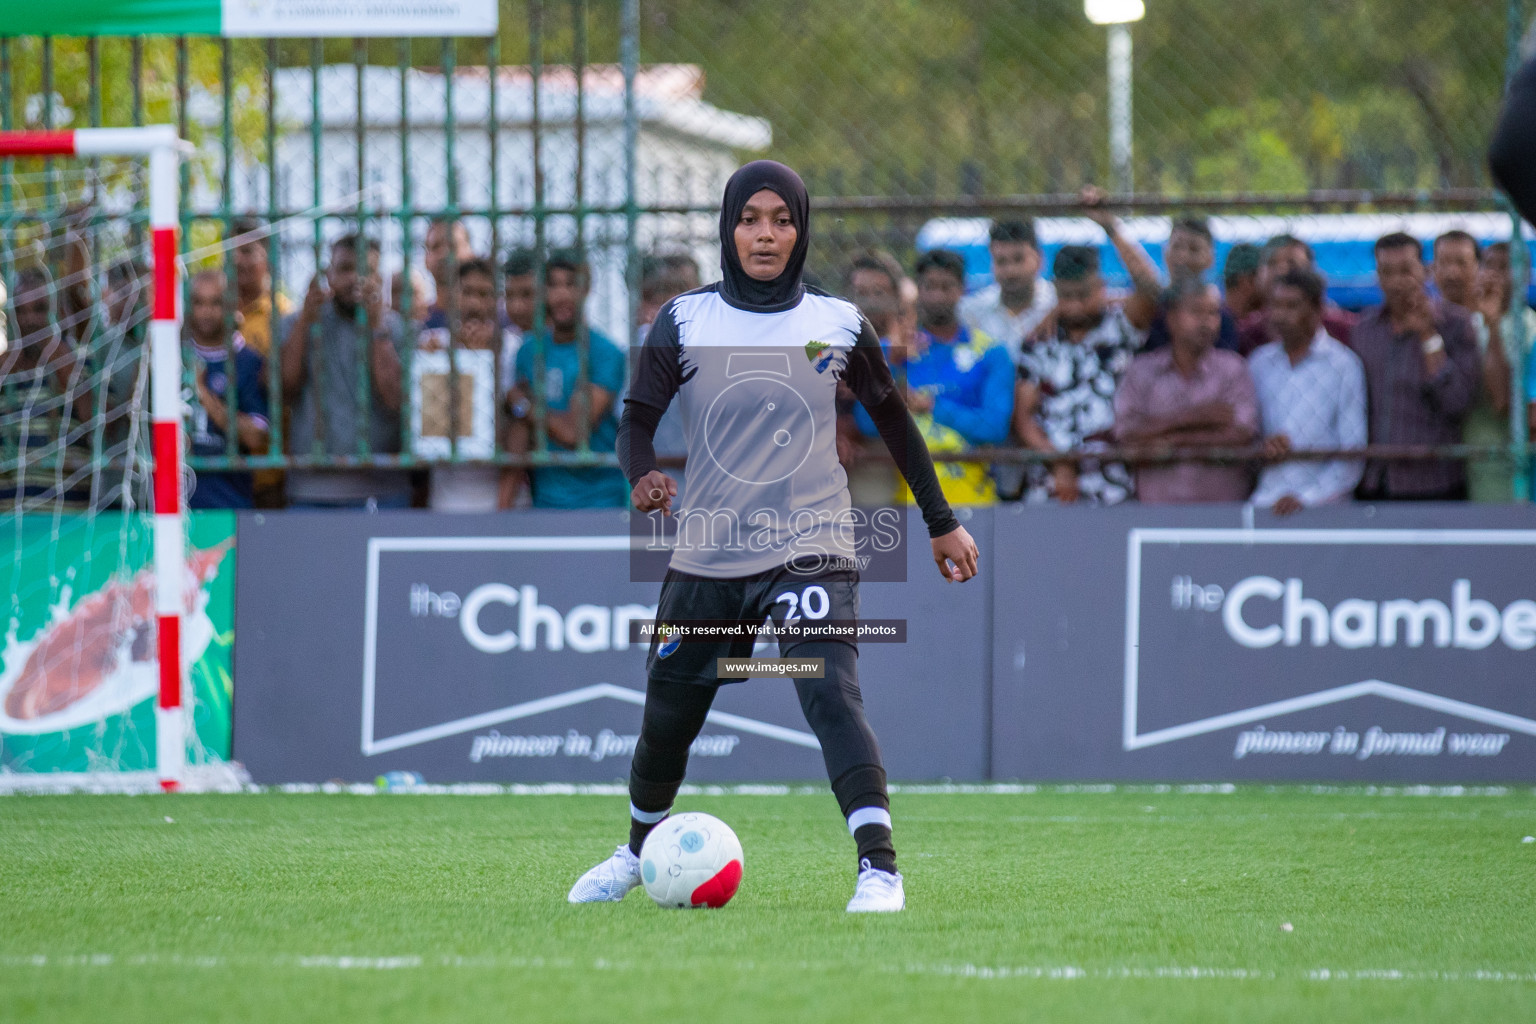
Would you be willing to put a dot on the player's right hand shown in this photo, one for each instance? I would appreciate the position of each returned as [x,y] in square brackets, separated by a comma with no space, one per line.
[654,491]
[958,548]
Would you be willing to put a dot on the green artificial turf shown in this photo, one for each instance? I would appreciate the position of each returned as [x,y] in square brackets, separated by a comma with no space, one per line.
[1141,904]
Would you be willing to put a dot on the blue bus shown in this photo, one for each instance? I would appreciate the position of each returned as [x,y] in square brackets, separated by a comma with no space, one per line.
[1342,241]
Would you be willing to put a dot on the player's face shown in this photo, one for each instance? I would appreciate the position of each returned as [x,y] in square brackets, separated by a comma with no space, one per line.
[1290,314]
[1189,254]
[1196,321]
[938,293]
[765,236]
[564,292]
[477,297]
[1014,266]
[519,291]
[1455,270]
[1080,304]
[875,294]
[1400,272]
[206,316]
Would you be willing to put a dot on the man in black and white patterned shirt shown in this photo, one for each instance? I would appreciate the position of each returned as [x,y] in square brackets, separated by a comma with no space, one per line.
[1066,394]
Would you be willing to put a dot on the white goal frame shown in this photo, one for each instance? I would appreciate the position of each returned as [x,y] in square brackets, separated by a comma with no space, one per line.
[163,150]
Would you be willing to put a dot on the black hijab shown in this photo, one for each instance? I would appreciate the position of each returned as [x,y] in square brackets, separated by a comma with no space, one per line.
[738,287]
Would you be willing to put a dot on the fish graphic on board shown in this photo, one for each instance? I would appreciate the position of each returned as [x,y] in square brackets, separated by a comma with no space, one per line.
[77,654]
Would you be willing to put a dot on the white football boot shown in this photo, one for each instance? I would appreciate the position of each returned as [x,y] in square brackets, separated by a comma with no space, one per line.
[878,892]
[610,881]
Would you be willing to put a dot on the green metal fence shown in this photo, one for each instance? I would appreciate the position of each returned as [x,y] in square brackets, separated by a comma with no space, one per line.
[609,126]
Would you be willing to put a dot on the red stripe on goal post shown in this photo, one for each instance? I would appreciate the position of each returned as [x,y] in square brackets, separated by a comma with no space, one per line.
[169,647]
[166,472]
[164,250]
[168,653]
[37,144]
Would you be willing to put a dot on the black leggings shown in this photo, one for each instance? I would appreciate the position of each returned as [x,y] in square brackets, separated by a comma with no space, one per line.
[834,709]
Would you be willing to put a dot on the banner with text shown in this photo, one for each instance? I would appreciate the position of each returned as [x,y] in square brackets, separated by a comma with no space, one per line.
[446,646]
[1379,643]
[259,18]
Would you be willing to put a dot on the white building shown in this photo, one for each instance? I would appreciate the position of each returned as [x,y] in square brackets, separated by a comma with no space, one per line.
[687,149]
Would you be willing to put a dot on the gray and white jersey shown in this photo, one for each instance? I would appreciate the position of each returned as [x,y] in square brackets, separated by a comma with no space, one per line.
[758,397]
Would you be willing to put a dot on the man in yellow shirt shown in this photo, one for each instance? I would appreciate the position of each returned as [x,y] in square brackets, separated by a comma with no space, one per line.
[254,295]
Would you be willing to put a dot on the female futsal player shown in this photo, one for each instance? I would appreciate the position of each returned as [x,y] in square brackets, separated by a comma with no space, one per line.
[765,532]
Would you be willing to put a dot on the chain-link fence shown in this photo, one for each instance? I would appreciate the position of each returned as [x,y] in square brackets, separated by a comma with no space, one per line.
[609,128]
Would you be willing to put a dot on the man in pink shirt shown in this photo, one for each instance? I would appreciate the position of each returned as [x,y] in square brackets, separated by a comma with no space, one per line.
[1189,394]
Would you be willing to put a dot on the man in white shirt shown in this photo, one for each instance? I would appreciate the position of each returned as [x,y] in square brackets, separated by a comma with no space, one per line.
[1311,396]
[458,488]
[1012,307]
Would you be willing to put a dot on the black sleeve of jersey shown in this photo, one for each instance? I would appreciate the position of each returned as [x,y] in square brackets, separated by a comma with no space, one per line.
[658,375]
[659,370]
[636,441]
[869,377]
[1512,154]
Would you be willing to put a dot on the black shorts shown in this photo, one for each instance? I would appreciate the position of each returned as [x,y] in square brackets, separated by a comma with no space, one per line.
[780,593]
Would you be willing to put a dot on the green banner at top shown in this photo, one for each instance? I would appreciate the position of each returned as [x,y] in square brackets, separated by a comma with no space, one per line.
[258,18]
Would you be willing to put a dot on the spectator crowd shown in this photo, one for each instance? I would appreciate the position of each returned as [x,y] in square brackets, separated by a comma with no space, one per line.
[1272,380]
[1128,389]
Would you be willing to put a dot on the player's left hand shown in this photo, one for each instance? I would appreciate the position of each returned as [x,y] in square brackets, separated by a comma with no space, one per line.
[956,547]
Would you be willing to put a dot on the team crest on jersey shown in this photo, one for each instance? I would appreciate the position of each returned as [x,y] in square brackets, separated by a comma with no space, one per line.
[965,358]
[820,353]
[670,641]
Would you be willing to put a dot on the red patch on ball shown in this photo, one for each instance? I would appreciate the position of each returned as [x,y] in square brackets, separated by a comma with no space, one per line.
[717,892]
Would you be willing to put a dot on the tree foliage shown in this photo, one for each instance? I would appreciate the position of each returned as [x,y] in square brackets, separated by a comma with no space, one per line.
[1008,96]
[963,96]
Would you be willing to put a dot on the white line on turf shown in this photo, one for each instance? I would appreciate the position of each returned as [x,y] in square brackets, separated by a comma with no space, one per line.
[917,789]
[16,784]
[981,972]
[1066,973]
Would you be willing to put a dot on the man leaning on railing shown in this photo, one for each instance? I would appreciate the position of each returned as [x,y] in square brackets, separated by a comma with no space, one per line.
[1065,397]
[325,348]
[1421,375]
[1479,281]
[1189,394]
[567,280]
[1311,392]
[221,363]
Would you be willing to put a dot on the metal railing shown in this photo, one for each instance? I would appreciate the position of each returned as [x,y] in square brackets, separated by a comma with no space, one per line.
[609,126]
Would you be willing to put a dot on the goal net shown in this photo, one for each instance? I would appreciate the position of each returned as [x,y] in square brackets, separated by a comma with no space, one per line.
[93,537]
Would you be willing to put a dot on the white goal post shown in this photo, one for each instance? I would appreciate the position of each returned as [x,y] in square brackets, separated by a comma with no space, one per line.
[160,147]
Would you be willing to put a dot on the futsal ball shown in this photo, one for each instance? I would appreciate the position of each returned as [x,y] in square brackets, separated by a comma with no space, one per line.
[691,860]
